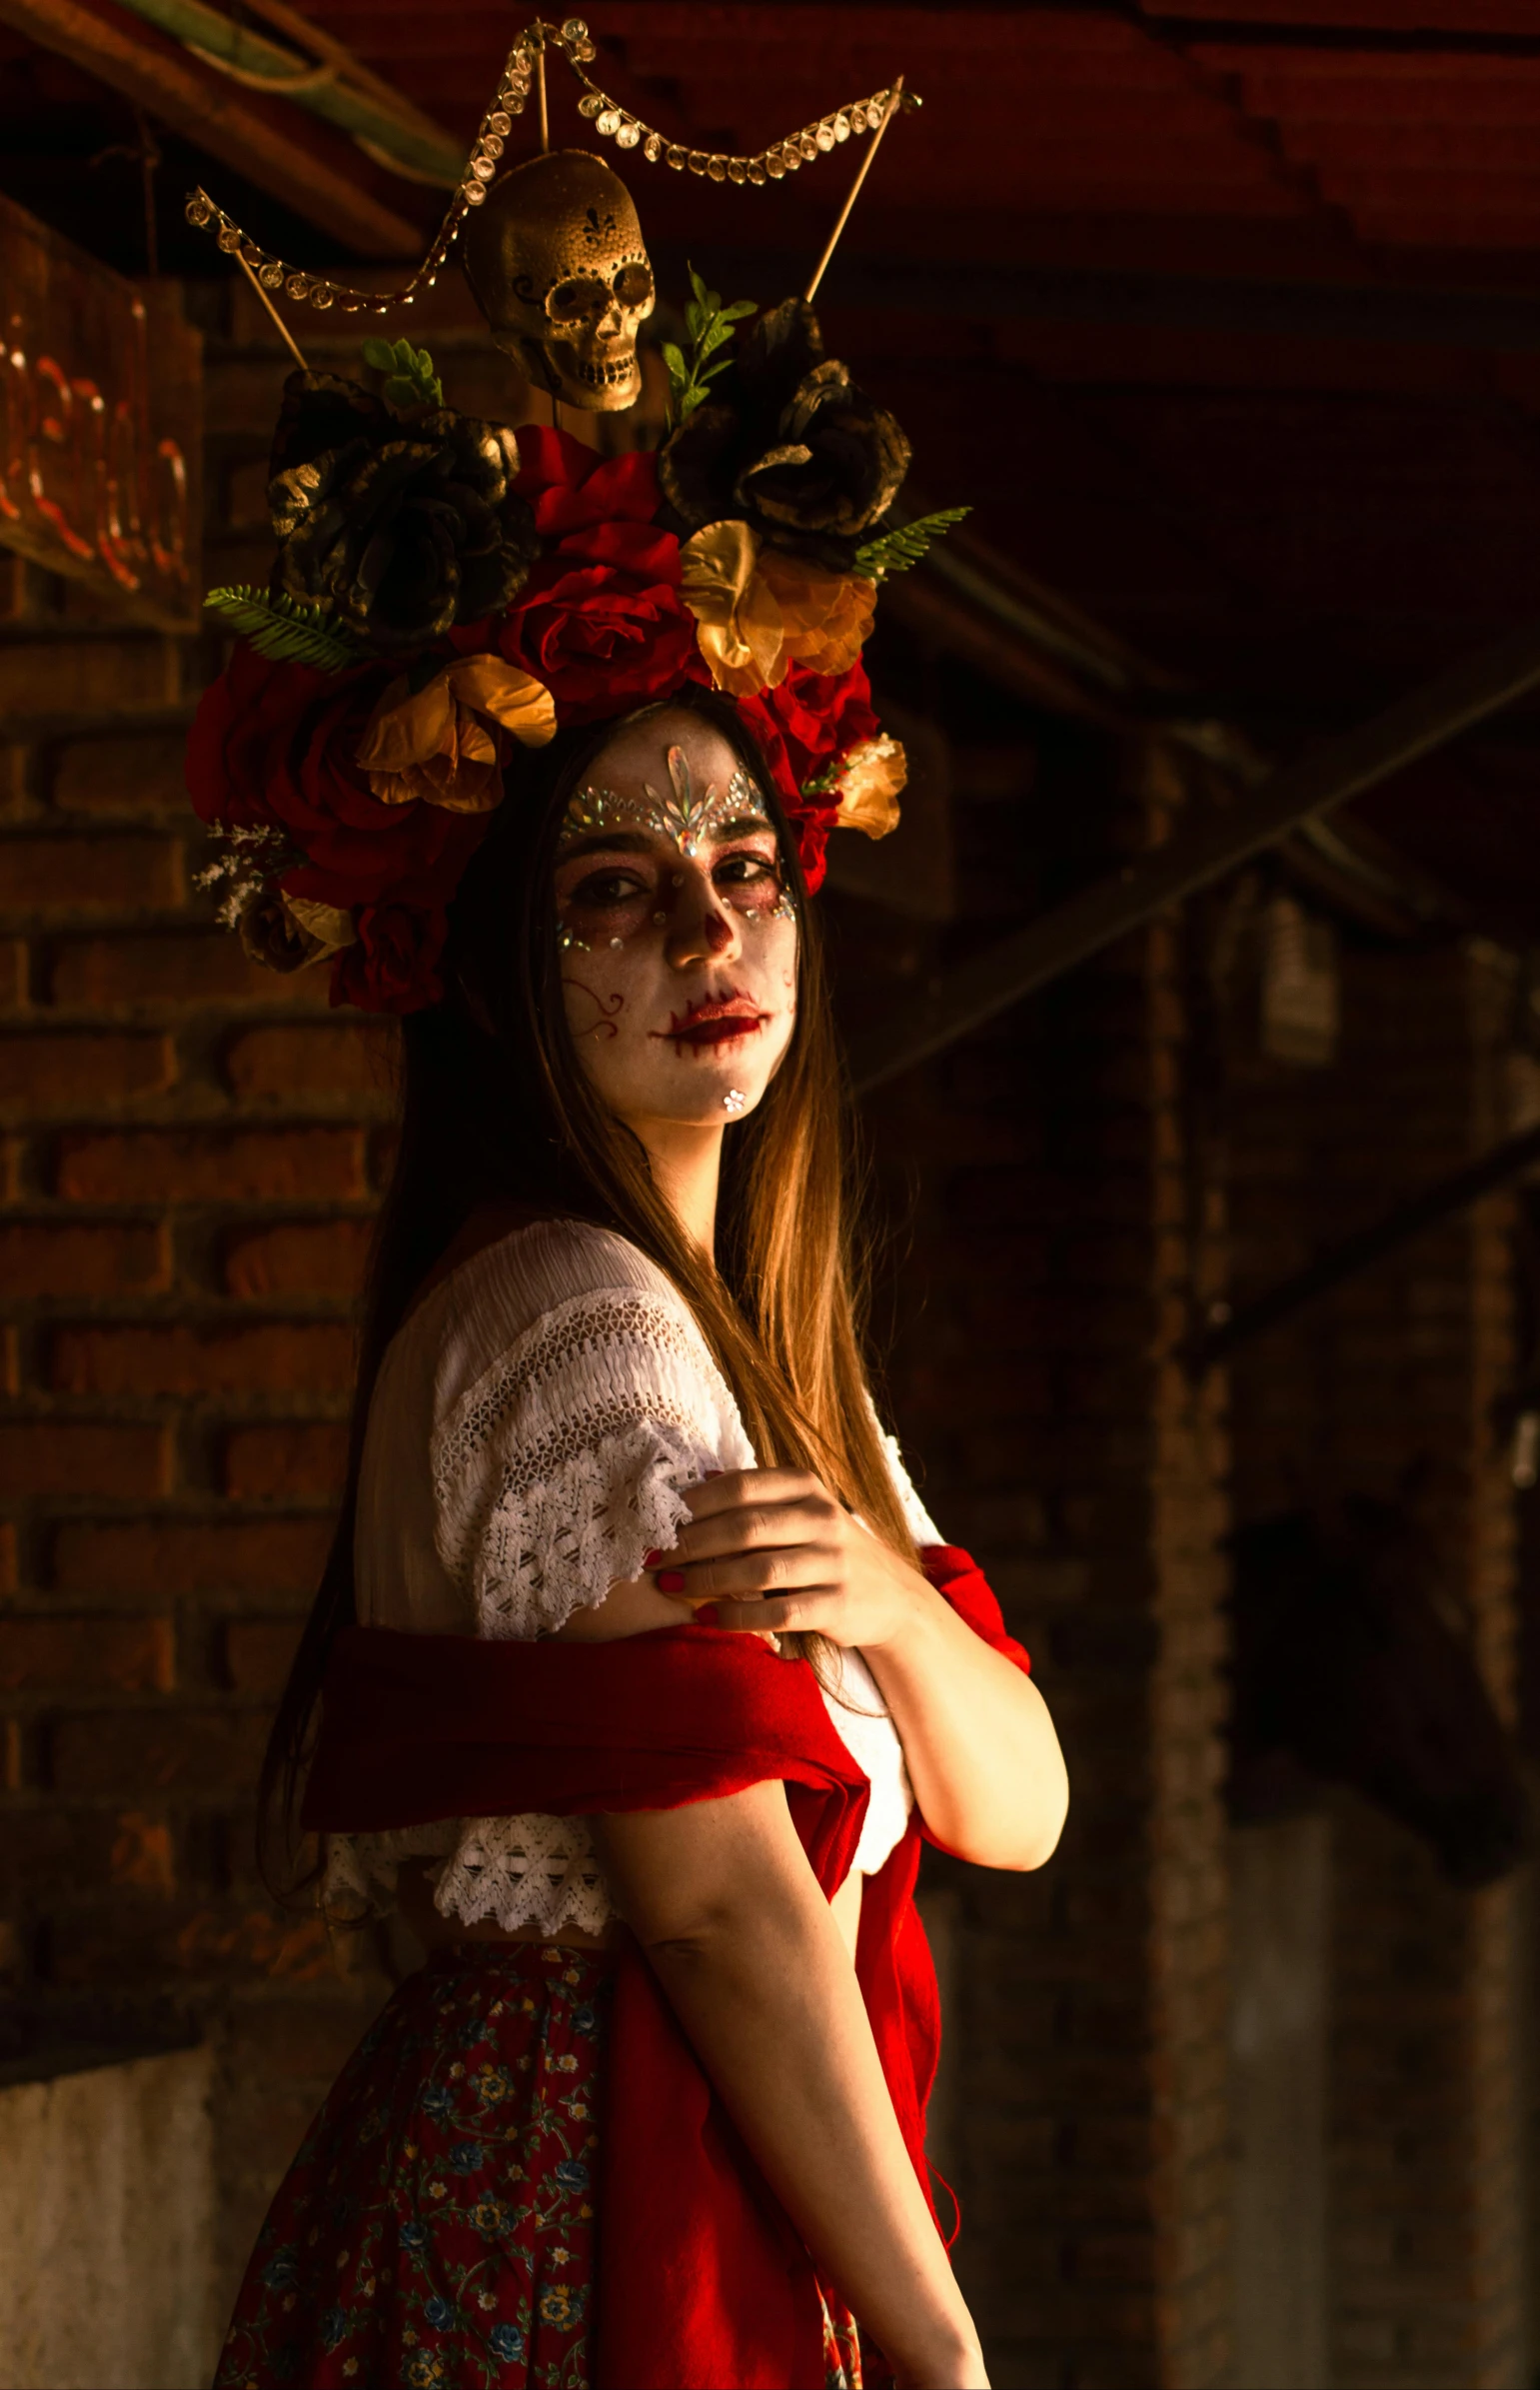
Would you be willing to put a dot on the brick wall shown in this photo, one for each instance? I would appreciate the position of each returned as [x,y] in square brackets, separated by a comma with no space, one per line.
[190,1164]
[1055,1224]
[192,1152]
[1395,1380]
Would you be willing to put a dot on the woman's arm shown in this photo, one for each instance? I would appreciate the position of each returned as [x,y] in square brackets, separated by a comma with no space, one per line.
[772,1548]
[729,1913]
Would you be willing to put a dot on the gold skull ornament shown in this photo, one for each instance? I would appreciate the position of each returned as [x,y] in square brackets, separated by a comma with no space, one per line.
[556,261]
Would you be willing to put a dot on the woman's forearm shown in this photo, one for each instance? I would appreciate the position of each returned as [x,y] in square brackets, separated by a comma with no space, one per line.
[764,1986]
[978,1743]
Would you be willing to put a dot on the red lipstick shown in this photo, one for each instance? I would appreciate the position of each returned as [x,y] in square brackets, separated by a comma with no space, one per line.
[714,1021]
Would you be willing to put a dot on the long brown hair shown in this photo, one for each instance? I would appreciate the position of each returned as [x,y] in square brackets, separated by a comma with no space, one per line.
[495,1108]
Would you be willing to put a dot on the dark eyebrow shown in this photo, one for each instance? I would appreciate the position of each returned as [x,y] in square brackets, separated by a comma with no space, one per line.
[607,841]
[637,842]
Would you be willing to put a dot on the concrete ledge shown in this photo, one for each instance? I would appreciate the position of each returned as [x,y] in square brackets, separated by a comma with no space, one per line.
[106,2226]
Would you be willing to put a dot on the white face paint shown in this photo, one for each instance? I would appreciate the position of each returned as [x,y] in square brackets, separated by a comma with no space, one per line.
[678,962]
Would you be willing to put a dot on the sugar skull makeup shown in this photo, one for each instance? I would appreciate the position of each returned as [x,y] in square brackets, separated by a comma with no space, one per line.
[678,933]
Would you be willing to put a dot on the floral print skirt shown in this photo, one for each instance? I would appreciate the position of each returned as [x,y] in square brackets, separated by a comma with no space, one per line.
[436,2226]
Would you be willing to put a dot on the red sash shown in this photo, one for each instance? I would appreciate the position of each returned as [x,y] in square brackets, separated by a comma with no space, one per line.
[703,2280]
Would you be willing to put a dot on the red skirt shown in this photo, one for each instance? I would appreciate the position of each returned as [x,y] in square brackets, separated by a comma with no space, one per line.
[437,2229]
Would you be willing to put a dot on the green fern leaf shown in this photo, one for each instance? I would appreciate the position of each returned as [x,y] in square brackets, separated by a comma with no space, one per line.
[285,629]
[898,551]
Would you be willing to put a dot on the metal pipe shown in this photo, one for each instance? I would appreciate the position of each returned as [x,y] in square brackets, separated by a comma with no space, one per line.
[265,66]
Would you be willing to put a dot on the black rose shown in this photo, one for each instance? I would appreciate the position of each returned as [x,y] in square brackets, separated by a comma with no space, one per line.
[402,523]
[788,443]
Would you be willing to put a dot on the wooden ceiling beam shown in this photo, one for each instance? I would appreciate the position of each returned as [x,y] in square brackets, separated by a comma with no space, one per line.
[317,174]
[1201,851]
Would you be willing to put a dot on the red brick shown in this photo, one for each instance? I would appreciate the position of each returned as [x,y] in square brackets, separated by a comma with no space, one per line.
[50,1072]
[180,966]
[338,1060]
[41,1258]
[15,974]
[301,1257]
[271,1556]
[88,675]
[144,1945]
[258,1652]
[43,1456]
[126,1655]
[91,874]
[212,1166]
[143,774]
[282,1359]
[143,1853]
[292,1460]
[142,1750]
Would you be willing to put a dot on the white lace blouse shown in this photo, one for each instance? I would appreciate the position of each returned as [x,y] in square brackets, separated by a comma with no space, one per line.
[533,1429]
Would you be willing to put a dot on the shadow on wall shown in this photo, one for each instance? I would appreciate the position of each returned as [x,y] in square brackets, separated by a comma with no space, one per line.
[1351,1665]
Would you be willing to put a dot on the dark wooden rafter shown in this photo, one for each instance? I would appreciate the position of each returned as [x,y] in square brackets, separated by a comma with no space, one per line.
[1228,1329]
[1205,851]
[313,171]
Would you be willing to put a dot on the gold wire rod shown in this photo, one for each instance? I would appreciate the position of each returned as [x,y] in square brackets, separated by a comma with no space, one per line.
[294,345]
[540,85]
[862,172]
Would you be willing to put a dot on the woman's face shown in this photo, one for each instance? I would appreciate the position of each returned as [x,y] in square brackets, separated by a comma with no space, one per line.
[678,940]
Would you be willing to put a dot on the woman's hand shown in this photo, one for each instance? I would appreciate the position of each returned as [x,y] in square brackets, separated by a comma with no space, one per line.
[771,1549]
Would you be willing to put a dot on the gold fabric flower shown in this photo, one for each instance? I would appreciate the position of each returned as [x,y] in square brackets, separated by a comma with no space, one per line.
[758,608]
[446,742]
[871,778]
[826,617]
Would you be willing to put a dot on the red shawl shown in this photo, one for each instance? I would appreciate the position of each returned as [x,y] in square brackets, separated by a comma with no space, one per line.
[703,2279]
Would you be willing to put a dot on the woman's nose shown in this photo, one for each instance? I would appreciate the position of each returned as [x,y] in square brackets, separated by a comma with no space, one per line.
[701,928]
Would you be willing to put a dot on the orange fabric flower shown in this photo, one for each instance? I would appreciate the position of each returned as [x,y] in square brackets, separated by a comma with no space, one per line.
[447,743]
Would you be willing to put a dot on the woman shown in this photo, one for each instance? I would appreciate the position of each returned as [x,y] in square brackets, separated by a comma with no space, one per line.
[610,1268]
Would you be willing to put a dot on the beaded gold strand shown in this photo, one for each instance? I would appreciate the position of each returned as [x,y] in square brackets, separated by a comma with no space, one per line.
[524,68]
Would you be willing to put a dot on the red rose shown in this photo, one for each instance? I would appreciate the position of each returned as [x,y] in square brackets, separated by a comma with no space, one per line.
[392,965]
[600,641]
[802,727]
[273,743]
[595,510]
[570,486]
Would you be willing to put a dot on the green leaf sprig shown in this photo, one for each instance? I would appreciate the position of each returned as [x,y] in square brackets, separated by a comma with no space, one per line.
[709,326]
[410,380]
[284,628]
[898,551]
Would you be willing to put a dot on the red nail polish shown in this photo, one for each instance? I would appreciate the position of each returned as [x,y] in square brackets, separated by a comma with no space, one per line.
[706,1615]
[651,1560]
[670,1581]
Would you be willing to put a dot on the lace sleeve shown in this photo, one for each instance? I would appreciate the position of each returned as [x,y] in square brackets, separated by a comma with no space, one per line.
[567,1461]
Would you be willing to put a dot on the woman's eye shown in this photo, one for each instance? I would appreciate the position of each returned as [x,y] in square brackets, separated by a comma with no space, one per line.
[742,870]
[602,889]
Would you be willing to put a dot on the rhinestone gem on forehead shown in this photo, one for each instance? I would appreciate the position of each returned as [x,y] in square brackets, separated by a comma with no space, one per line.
[681,816]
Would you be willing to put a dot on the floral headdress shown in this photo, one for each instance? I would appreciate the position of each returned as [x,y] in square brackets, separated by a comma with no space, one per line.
[447,590]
